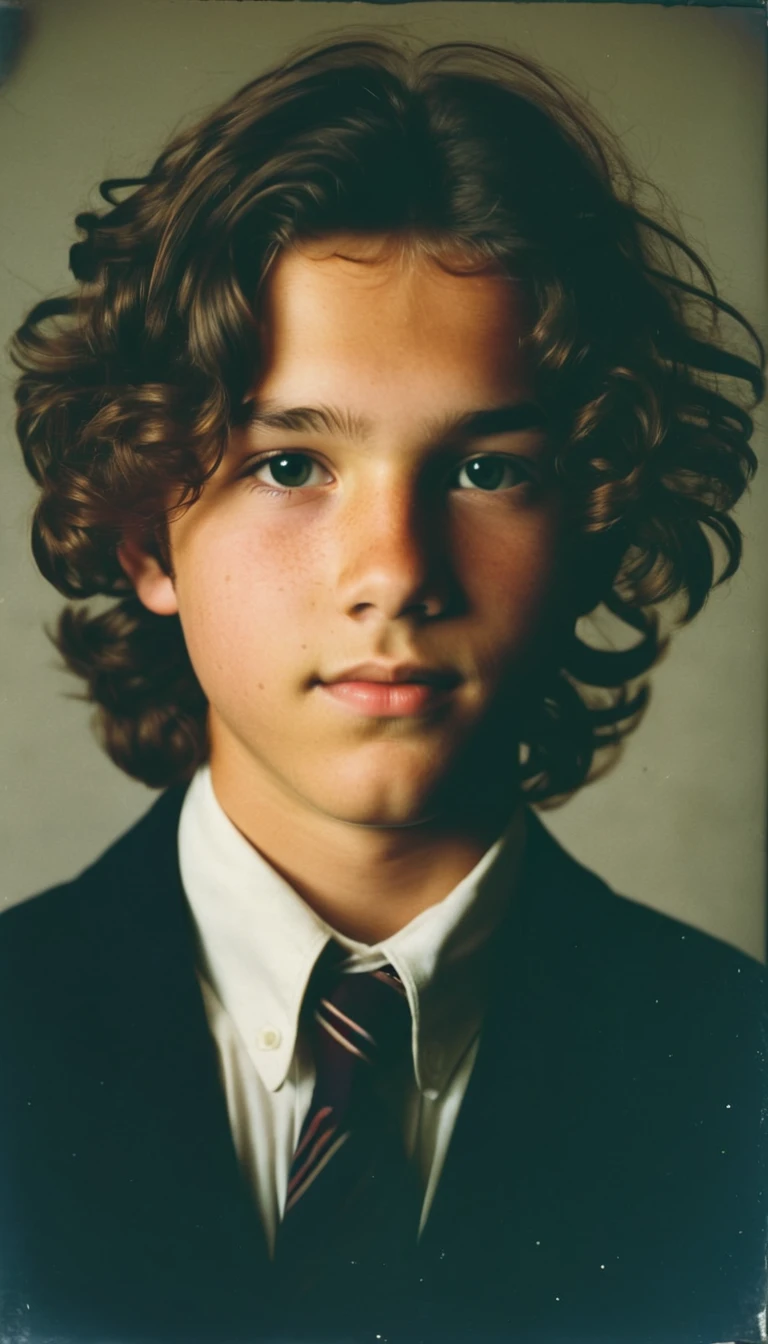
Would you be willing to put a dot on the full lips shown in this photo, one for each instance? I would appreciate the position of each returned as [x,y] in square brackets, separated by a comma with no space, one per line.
[386,699]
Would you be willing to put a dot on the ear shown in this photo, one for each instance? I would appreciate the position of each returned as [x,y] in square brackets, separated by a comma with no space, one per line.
[154,588]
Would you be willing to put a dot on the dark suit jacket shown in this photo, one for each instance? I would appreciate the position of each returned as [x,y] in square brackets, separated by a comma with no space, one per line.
[606,1180]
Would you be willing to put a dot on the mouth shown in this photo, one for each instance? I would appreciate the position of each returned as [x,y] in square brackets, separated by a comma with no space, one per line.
[396,674]
[390,690]
[386,699]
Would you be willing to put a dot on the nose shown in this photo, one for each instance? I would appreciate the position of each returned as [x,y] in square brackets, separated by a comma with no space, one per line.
[395,555]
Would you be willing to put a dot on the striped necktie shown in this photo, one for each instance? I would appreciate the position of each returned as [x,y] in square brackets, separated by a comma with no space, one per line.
[353,1200]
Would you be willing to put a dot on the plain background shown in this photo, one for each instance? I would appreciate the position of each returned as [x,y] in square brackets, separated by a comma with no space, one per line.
[680,823]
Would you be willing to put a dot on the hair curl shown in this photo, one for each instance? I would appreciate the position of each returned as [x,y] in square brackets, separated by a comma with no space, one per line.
[129,387]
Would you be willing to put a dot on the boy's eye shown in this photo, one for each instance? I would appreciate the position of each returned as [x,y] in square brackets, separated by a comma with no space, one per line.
[289,470]
[493,472]
[489,472]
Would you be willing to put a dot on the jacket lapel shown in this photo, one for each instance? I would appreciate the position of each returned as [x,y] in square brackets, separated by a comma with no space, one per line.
[178,1164]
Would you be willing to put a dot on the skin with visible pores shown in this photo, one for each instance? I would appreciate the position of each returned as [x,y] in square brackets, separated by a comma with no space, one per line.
[371,819]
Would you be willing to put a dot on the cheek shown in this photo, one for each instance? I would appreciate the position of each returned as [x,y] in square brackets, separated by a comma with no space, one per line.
[519,569]
[238,590]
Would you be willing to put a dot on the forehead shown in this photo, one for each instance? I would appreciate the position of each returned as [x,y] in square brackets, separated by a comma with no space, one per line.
[343,306]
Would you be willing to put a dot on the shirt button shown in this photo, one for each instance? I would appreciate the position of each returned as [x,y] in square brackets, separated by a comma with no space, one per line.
[268,1038]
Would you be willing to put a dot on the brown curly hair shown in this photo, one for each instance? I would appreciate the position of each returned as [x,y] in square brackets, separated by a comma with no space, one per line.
[130,386]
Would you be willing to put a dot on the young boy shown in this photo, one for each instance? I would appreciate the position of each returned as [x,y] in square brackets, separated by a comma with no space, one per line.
[373,386]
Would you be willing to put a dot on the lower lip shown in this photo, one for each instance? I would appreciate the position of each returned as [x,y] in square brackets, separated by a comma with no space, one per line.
[386,699]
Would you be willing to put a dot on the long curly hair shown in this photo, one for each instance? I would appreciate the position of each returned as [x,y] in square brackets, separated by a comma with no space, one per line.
[130,386]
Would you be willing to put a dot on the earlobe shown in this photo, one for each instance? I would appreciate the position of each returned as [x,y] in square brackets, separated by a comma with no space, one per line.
[154,588]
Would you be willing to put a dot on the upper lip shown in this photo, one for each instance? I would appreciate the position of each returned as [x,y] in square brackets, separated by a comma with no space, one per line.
[397,672]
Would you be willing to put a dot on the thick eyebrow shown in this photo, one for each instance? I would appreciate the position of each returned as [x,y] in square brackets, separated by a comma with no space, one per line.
[511,419]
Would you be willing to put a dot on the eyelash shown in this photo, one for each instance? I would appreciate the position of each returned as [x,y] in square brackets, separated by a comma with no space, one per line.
[282,492]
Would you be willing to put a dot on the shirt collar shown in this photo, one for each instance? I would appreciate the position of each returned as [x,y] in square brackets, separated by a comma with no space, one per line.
[259,941]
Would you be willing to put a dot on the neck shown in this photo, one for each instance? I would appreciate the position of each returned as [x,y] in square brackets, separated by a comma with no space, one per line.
[364,881]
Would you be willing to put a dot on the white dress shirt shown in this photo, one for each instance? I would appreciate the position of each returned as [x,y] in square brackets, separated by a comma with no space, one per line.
[258,942]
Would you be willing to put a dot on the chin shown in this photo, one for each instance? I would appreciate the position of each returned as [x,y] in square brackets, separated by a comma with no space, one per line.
[379,818]
[378,808]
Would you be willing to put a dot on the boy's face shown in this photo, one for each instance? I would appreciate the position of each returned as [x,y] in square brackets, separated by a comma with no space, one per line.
[278,593]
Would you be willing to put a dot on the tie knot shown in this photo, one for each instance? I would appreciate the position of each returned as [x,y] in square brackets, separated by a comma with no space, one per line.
[364,1012]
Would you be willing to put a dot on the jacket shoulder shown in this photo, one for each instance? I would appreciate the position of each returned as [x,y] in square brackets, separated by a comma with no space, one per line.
[600,928]
[61,915]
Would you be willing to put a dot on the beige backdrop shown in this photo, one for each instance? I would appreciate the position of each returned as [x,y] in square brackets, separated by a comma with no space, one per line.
[680,824]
